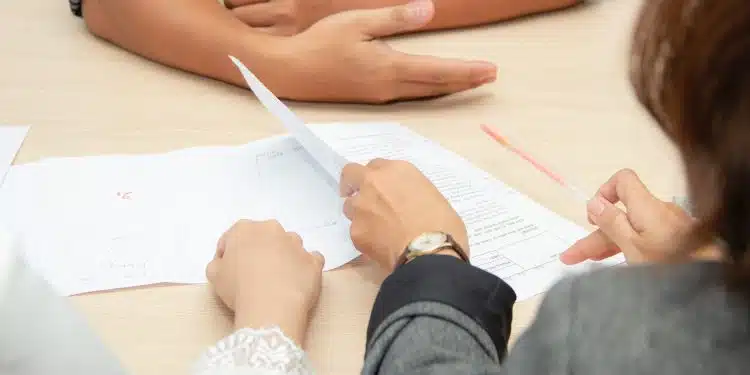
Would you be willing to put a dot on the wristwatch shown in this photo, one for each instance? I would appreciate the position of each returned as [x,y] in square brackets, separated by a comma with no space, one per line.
[430,243]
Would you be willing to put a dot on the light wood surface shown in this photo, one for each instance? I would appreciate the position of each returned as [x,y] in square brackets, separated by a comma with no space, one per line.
[562,93]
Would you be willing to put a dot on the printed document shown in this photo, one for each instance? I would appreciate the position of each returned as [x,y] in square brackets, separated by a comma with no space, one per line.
[108,222]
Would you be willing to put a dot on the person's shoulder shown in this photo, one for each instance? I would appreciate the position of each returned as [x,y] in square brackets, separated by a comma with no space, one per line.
[633,293]
[644,281]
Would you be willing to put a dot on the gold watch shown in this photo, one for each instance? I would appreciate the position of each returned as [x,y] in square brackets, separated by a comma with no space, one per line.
[430,243]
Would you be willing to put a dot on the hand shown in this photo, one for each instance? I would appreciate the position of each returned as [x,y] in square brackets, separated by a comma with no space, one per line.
[281,17]
[341,59]
[265,275]
[394,203]
[647,231]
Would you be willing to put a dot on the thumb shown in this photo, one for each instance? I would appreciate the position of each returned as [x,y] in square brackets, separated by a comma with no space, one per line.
[611,220]
[319,259]
[383,22]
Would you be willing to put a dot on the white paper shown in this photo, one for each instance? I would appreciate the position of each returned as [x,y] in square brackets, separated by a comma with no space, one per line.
[11,139]
[510,235]
[107,222]
[331,162]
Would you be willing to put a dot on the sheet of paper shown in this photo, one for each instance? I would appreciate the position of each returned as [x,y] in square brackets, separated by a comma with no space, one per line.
[331,162]
[109,222]
[106,222]
[11,139]
[510,235]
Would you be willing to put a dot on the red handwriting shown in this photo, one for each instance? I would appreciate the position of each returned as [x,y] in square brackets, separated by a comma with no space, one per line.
[124,195]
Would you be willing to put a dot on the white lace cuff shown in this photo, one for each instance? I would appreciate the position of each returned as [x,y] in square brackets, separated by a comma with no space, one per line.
[266,349]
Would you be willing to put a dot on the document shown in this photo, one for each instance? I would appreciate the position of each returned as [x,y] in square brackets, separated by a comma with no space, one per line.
[11,139]
[109,222]
[510,235]
[326,158]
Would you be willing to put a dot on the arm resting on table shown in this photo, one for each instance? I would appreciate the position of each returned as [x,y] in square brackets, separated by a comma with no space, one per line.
[450,14]
[192,35]
[439,315]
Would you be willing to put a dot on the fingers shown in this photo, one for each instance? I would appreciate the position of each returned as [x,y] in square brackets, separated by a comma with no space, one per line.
[612,221]
[607,254]
[378,163]
[427,76]
[295,239]
[355,175]
[351,178]
[231,4]
[595,246]
[625,186]
[442,72]
[221,245]
[262,14]
[408,91]
[350,206]
[381,22]
[212,270]
[319,259]
[643,208]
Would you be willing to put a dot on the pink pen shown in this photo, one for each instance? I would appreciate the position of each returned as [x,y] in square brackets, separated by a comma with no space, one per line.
[554,176]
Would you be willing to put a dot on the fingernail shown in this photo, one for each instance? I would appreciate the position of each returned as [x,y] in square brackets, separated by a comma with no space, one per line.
[488,78]
[565,258]
[484,72]
[420,11]
[596,206]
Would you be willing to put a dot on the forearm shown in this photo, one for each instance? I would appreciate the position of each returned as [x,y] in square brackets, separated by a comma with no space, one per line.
[438,315]
[462,13]
[192,35]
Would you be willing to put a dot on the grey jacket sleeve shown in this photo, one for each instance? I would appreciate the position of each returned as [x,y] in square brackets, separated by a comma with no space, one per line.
[423,334]
[439,315]
[546,346]
[40,332]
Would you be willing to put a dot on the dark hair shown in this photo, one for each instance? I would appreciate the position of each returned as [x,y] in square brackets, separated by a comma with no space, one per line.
[690,68]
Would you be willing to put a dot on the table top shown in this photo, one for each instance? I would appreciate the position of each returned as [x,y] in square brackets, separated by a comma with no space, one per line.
[562,93]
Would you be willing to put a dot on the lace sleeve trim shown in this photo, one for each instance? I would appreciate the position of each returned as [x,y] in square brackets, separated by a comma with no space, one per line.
[266,349]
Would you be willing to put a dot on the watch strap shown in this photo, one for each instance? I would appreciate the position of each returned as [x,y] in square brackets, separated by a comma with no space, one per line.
[76,7]
[450,243]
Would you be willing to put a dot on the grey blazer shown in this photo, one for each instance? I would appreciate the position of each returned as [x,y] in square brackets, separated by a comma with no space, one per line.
[665,320]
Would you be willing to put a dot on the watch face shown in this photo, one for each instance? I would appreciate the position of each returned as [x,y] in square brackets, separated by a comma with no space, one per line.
[428,241]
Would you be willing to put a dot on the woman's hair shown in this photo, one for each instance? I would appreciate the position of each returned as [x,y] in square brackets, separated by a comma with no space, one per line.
[691,69]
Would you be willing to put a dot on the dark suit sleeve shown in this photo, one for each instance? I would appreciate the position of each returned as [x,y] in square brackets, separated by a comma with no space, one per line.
[439,315]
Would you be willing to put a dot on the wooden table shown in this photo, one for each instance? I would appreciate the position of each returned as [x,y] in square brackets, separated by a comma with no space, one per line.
[562,93]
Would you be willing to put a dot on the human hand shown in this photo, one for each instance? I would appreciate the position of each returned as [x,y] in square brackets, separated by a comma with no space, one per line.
[646,231]
[340,59]
[280,17]
[265,275]
[393,204]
